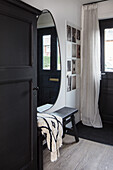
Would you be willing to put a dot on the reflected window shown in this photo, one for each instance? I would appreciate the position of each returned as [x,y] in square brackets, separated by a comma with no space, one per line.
[58,57]
[46,52]
[108,33]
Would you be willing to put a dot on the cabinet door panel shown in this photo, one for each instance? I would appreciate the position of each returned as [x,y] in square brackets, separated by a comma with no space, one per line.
[18,76]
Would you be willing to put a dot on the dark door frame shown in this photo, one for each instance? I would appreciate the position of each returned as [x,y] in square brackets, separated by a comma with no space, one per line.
[106,83]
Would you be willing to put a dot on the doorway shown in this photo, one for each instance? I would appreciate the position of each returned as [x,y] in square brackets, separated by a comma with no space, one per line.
[49,71]
[106,84]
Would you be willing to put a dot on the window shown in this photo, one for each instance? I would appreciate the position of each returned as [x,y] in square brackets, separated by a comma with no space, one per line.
[108,45]
[46,52]
[106,37]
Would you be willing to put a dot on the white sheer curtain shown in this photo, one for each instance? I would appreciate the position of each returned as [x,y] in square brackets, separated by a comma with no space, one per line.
[90,74]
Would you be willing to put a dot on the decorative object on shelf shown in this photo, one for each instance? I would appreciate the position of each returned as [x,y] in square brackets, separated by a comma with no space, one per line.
[78,51]
[68,82]
[73,66]
[78,35]
[73,82]
[68,33]
[74,35]
[68,65]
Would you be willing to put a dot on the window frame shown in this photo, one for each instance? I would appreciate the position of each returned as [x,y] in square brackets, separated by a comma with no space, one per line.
[43,53]
[104,24]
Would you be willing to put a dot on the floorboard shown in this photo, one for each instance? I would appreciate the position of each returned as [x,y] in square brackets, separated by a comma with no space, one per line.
[84,155]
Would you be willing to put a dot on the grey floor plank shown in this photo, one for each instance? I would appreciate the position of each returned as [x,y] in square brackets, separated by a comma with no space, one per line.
[85,155]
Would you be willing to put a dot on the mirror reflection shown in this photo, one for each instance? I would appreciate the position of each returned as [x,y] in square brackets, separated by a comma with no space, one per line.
[49,65]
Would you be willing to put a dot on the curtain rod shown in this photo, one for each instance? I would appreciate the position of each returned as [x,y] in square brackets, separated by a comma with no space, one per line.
[94,2]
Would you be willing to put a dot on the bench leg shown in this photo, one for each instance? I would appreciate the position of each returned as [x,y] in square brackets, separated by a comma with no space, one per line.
[74,128]
[64,129]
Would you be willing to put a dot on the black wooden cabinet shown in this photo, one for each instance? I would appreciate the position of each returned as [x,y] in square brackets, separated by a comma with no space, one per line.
[18,77]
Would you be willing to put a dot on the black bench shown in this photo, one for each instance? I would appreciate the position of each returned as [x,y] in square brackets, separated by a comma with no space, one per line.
[67,114]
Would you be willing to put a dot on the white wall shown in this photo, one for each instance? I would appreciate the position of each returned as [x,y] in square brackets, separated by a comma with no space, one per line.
[105,9]
[62,11]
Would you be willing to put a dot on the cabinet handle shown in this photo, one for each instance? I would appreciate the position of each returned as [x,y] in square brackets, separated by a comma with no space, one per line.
[36,88]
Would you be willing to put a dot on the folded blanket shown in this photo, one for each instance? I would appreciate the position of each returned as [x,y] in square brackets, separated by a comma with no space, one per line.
[51,126]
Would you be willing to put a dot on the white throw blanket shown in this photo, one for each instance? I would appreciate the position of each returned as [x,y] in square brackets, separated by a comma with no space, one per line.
[51,126]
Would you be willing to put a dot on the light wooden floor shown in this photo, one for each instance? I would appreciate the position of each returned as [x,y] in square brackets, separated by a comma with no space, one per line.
[85,155]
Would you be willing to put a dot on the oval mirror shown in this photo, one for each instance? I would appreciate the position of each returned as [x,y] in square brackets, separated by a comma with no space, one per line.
[49,63]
